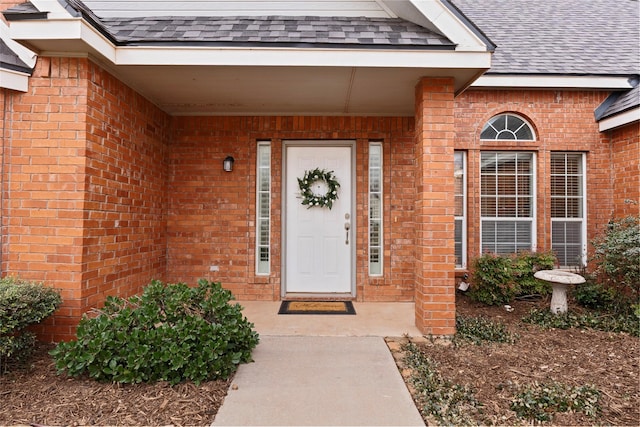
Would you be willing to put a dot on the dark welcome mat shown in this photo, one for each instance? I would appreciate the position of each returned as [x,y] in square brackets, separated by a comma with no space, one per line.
[317,307]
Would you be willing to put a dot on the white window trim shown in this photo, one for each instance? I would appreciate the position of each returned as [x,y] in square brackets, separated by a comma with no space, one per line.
[583,231]
[534,192]
[381,238]
[258,244]
[526,122]
[465,180]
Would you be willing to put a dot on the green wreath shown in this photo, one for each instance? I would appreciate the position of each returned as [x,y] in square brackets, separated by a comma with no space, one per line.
[311,199]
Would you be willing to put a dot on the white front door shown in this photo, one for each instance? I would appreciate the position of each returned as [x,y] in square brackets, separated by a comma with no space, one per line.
[319,240]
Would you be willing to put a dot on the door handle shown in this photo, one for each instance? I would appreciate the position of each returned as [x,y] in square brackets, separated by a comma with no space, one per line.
[347,226]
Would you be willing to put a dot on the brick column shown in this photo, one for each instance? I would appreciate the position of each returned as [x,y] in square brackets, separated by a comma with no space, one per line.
[435,259]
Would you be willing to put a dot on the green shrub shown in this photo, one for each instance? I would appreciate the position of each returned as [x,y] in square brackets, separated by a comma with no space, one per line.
[480,329]
[492,280]
[525,264]
[594,295]
[22,303]
[540,401]
[172,332]
[498,279]
[616,254]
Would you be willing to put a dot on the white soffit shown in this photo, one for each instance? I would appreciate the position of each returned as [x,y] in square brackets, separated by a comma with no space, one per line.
[621,119]
[552,82]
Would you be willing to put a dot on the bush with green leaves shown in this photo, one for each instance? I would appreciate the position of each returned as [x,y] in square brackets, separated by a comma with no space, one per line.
[498,279]
[616,255]
[593,294]
[539,402]
[22,303]
[172,332]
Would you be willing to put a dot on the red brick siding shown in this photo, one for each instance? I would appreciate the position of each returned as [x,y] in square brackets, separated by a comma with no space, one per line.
[44,183]
[211,214]
[563,121]
[124,244]
[83,187]
[625,164]
[434,222]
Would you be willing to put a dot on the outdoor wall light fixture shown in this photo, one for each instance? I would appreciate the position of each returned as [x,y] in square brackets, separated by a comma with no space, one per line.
[227,164]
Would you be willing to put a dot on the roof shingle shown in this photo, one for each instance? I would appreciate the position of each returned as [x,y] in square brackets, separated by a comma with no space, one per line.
[574,37]
[274,30]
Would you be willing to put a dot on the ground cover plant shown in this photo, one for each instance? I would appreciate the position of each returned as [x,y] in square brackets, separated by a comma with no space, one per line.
[524,373]
[172,332]
[22,303]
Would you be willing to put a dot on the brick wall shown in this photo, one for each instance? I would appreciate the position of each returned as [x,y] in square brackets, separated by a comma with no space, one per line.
[83,183]
[211,213]
[563,121]
[625,165]
[434,183]
[124,241]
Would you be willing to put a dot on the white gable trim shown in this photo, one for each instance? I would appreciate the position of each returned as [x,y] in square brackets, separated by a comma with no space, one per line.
[552,82]
[14,80]
[52,7]
[621,119]
[446,23]
[25,55]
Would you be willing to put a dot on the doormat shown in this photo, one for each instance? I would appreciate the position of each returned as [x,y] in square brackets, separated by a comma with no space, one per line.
[317,307]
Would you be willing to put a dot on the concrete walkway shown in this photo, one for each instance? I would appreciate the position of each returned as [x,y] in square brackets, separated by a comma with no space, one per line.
[316,373]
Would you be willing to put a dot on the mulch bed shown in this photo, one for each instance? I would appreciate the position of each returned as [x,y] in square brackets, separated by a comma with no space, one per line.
[35,395]
[608,361]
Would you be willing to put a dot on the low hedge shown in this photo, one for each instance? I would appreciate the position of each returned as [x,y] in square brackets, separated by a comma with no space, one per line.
[172,332]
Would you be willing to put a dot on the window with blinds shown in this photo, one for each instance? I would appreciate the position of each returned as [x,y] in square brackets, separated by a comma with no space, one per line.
[263,208]
[567,208]
[375,209]
[460,241]
[507,202]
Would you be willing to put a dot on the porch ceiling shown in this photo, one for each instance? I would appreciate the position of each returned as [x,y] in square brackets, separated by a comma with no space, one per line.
[259,90]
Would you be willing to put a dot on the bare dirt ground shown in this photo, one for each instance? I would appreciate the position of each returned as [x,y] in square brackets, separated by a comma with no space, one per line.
[35,395]
[608,361]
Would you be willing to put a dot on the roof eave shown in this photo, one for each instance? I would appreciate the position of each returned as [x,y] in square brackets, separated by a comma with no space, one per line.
[621,119]
[554,81]
[76,36]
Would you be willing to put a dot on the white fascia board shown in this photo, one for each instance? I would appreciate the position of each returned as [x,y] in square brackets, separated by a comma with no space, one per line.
[63,29]
[25,55]
[53,7]
[621,119]
[449,25]
[14,80]
[552,82]
[132,55]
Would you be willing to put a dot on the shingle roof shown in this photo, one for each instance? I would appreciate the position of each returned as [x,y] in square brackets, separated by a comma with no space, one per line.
[264,30]
[281,30]
[619,102]
[579,37]
[9,60]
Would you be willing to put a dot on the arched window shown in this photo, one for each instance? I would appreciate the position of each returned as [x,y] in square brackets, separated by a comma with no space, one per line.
[507,127]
